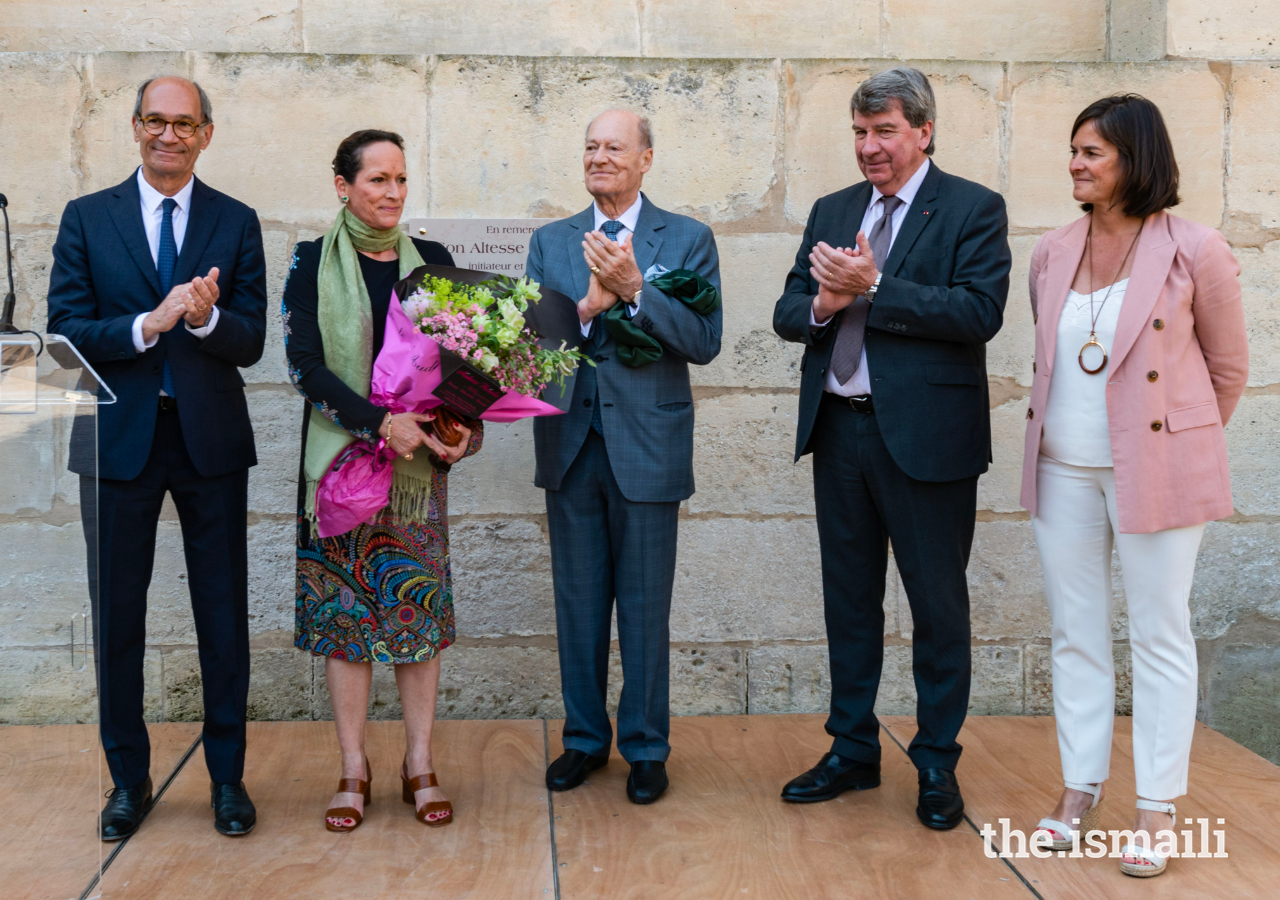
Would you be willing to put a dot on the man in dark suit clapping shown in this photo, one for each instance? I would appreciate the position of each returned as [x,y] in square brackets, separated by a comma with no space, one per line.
[160,282]
[899,283]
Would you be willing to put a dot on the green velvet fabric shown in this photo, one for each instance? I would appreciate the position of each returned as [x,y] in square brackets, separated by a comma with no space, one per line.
[635,347]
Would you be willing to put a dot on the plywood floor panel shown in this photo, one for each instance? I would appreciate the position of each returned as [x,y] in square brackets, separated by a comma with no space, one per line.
[49,847]
[1011,769]
[498,847]
[721,830]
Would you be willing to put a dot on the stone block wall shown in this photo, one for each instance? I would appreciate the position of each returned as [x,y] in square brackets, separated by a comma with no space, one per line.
[749,105]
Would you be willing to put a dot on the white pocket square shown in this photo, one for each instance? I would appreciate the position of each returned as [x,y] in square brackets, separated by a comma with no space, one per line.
[655,271]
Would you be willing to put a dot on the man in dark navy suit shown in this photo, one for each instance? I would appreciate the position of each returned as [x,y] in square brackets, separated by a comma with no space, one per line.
[899,283]
[160,282]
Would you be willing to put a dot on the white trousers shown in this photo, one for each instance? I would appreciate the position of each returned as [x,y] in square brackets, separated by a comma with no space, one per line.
[1075,526]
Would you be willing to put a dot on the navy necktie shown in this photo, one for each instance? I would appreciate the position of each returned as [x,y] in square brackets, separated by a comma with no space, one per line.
[166,261]
[610,229]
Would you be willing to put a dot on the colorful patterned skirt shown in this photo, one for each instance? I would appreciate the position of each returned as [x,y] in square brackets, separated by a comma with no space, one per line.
[379,592]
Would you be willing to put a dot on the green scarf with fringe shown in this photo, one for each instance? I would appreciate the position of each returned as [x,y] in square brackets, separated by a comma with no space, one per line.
[346,331]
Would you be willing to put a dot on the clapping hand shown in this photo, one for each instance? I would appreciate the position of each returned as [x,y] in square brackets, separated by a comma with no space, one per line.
[613,263]
[598,300]
[199,298]
[842,274]
[168,314]
[192,301]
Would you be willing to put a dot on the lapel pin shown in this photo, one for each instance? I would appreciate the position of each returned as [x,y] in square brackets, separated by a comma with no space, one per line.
[926,212]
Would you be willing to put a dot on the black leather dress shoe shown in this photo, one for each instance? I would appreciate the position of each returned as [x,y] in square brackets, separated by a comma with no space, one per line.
[124,810]
[941,805]
[831,777]
[571,768]
[233,811]
[647,781]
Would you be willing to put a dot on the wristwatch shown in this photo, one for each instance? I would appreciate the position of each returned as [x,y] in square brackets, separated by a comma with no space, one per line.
[875,286]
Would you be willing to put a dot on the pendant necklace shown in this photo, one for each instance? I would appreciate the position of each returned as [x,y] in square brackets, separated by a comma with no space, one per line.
[1093,316]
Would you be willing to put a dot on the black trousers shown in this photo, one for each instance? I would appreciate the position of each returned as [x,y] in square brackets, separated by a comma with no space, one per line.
[864,501]
[121,543]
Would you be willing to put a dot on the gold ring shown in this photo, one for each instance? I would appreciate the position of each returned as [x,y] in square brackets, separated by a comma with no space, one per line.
[595,270]
[408,456]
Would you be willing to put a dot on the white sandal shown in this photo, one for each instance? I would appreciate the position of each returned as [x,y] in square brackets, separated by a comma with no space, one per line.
[1088,821]
[1155,863]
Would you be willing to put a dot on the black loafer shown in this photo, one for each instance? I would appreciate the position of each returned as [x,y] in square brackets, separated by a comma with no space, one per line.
[125,810]
[571,768]
[831,777]
[233,811]
[941,805]
[647,781]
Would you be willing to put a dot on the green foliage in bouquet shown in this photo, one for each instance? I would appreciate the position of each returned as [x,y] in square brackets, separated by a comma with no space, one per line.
[485,325]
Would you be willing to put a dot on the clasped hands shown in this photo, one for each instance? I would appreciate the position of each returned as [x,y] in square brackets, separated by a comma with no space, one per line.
[192,301]
[842,274]
[614,274]
[403,435]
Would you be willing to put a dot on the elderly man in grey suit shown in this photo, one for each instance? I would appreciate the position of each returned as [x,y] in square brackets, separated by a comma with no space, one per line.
[617,465]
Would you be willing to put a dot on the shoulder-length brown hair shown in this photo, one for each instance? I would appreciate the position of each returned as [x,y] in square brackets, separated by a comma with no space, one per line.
[1148,171]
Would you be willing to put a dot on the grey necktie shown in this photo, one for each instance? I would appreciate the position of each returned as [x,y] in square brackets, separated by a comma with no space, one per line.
[847,353]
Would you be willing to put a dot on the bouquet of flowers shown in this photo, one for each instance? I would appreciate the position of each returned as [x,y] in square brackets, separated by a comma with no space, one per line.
[460,345]
[485,326]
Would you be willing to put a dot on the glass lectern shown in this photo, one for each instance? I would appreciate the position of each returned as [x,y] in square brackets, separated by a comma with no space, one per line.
[53,773]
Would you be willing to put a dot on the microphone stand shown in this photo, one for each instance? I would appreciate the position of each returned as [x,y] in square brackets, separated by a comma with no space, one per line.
[10,299]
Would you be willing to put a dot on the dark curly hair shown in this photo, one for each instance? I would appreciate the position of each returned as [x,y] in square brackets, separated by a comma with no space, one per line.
[1148,171]
[347,161]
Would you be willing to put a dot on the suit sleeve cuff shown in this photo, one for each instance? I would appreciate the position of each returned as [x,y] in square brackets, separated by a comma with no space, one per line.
[208,327]
[814,323]
[138,344]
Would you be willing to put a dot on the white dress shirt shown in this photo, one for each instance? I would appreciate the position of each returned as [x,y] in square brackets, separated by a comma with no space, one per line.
[860,383]
[152,218]
[1076,430]
[628,219]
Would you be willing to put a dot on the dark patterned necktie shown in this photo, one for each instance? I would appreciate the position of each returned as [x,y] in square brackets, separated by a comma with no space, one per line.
[166,261]
[846,356]
[610,229]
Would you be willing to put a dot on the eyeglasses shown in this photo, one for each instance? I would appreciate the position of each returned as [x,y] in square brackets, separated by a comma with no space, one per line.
[183,128]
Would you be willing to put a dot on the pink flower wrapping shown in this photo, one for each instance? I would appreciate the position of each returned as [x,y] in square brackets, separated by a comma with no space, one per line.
[405,373]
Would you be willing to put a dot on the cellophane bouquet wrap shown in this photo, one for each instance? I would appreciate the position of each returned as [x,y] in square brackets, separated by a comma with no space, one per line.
[452,347]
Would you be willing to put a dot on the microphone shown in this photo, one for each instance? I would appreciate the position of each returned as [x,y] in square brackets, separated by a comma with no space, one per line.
[10,299]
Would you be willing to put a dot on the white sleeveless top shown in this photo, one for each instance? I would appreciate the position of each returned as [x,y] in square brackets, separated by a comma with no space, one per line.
[1075,428]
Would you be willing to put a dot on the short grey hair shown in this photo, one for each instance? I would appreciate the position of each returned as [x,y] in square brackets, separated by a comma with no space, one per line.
[206,108]
[642,123]
[909,87]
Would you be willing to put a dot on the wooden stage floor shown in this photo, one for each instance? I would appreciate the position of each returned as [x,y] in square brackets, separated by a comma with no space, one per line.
[720,831]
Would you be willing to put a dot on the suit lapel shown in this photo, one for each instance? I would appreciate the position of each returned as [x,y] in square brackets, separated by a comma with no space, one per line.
[846,234]
[126,214]
[647,239]
[1152,260]
[1060,271]
[920,213]
[202,221]
[579,225]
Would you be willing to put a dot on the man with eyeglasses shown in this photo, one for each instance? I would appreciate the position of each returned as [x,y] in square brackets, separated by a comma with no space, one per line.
[160,282]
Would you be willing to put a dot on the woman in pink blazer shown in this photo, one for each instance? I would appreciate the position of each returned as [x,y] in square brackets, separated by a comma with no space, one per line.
[1141,356]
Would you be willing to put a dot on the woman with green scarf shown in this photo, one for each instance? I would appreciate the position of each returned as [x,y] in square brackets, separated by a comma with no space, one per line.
[380,592]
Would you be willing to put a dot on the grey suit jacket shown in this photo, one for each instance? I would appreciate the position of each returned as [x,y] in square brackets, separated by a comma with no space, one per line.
[647,413]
